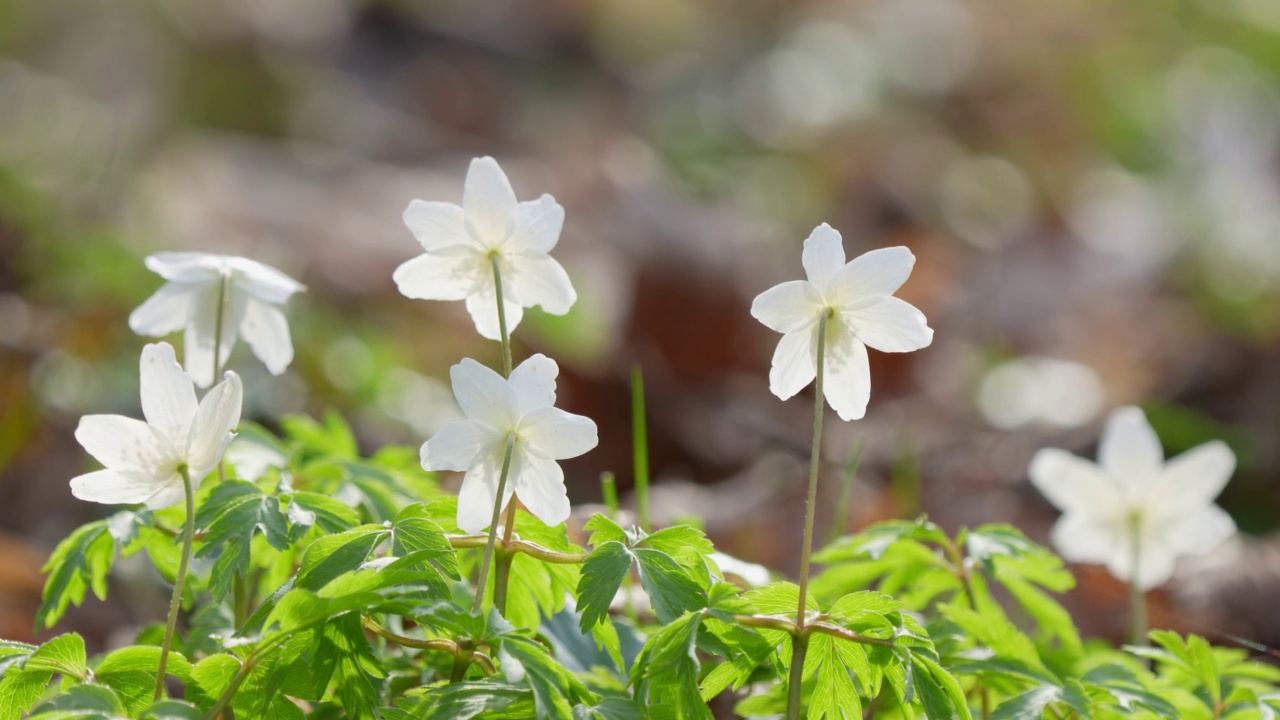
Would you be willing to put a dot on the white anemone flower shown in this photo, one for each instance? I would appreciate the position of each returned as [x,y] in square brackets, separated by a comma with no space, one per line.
[1132,505]
[496,409]
[250,293]
[859,297]
[144,459]
[460,242]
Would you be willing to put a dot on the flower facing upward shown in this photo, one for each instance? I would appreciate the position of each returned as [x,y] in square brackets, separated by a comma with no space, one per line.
[250,292]
[459,242]
[859,297]
[495,409]
[1134,504]
[143,459]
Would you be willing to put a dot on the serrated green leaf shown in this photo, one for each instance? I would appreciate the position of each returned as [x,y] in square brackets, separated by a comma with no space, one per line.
[231,515]
[63,654]
[82,702]
[414,532]
[172,710]
[332,555]
[79,563]
[131,672]
[20,689]
[554,688]
[307,509]
[835,694]
[671,590]
[465,701]
[602,574]
[604,530]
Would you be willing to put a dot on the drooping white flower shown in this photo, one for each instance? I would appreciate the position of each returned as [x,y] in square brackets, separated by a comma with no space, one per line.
[142,459]
[250,292]
[459,242]
[495,409]
[1133,497]
[859,296]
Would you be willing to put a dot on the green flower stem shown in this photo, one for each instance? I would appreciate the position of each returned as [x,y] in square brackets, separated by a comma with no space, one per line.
[239,594]
[438,644]
[1137,596]
[815,459]
[462,542]
[640,448]
[502,564]
[502,316]
[179,581]
[819,627]
[493,526]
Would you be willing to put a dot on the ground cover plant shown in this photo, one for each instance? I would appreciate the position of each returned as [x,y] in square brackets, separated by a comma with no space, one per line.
[320,583]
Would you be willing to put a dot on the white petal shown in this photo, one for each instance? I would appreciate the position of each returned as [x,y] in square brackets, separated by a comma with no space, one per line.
[436,224]
[480,485]
[483,307]
[1129,450]
[263,281]
[1085,539]
[112,488]
[484,396]
[822,257]
[1193,479]
[535,278]
[846,381]
[538,225]
[198,341]
[442,276]
[166,311]
[217,416]
[891,325]
[1195,532]
[790,307]
[266,330]
[1074,485]
[456,446]
[125,444]
[540,487]
[875,274]
[556,434]
[794,363]
[186,267]
[534,384]
[488,203]
[168,397]
[170,493]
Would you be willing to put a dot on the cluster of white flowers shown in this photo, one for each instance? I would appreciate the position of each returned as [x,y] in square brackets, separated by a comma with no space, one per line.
[1133,512]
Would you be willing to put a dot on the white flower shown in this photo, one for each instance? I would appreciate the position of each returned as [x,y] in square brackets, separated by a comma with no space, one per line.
[495,409]
[189,301]
[143,458]
[864,312]
[460,240]
[1132,495]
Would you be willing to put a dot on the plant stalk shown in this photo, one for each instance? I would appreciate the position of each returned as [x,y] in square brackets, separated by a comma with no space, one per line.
[493,526]
[502,316]
[640,448]
[1137,596]
[502,564]
[178,582]
[815,455]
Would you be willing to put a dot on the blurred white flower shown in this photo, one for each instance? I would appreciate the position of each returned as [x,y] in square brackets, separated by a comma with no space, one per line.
[753,574]
[459,242]
[1132,505]
[143,459]
[250,292]
[1040,389]
[864,312]
[521,408]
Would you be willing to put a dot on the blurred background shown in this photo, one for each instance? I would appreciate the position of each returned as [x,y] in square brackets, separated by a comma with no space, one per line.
[1091,189]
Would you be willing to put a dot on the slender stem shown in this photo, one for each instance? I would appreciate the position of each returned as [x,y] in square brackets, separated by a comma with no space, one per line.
[815,454]
[179,580]
[217,327]
[463,542]
[609,493]
[844,505]
[502,567]
[493,526]
[795,678]
[502,316]
[640,447]
[245,668]
[1137,596]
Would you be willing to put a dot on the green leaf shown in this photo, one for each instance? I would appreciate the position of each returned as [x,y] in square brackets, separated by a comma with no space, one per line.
[63,654]
[172,710]
[605,530]
[1052,617]
[82,702]
[234,511]
[131,672]
[465,701]
[414,532]
[874,541]
[79,563]
[602,574]
[834,692]
[332,555]
[307,510]
[669,664]
[20,689]
[356,665]
[671,590]
[331,439]
[554,688]
[941,695]
[1029,705]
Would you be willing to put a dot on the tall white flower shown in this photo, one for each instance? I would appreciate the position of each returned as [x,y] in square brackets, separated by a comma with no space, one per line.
[1132,504]
[142,459]
[859,296]
[496,409]
[250,292]
[459,242]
